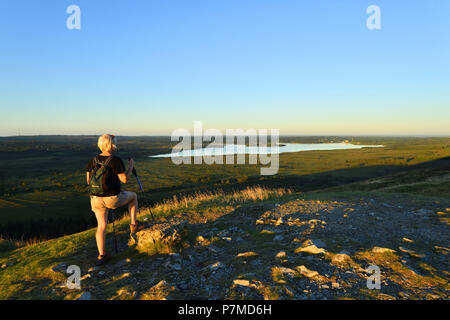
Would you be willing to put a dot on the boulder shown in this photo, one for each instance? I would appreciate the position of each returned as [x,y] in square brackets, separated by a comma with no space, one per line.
[382,250]
[306,272]
[162,232]
[241,282]
[287,271]
[312,249]
[340,258]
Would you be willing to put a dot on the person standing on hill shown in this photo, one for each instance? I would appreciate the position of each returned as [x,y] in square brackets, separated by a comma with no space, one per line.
[104,175]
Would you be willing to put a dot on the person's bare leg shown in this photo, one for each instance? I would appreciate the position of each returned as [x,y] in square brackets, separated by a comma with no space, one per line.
[132,208]
[100,236]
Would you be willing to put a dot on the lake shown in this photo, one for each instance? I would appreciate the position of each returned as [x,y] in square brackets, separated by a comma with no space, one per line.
[229,149]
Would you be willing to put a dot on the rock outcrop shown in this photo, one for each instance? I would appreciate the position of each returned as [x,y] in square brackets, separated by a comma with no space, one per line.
[163,234]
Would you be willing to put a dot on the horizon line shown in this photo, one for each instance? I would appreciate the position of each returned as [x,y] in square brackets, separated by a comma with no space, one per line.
[281,135]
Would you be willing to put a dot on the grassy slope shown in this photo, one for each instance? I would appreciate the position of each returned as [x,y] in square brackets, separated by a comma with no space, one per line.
[429,179]
[30,276]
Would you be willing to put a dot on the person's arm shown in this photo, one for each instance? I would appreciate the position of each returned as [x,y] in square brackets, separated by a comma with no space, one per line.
[88,172]
[123,177]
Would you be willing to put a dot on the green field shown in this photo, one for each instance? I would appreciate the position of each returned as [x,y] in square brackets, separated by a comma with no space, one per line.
[44,195]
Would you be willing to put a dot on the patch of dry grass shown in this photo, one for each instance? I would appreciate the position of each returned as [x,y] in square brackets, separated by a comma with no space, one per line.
[11,244]
[250,194]
[399,273]
[160,291]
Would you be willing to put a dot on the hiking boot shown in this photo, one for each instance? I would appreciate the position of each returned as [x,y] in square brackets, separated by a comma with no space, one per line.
[101,260]
[138,226]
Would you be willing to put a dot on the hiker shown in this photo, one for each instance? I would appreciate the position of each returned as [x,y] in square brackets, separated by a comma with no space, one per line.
[104,175]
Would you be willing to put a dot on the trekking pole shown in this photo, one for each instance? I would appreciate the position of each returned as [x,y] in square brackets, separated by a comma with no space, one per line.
[142,190]
[114,231]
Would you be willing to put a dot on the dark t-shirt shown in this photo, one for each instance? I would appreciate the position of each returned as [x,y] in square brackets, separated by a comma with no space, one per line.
[112,182]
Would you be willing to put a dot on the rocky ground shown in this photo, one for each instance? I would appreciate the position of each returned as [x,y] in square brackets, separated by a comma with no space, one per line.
[299,249]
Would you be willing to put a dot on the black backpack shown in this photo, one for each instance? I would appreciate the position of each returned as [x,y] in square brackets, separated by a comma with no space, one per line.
[99,172]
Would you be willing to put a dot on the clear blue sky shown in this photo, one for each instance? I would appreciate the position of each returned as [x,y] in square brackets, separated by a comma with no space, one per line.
[149,67]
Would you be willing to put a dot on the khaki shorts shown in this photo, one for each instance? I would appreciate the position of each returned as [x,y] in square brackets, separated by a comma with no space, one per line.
[103,204]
